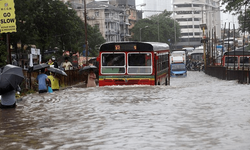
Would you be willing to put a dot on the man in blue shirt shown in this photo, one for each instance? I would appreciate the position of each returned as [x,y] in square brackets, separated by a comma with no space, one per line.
[41,79]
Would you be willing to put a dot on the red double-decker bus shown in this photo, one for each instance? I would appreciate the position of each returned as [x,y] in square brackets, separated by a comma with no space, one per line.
[132,63]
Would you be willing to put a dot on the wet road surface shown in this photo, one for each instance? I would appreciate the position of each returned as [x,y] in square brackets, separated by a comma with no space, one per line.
[197,112]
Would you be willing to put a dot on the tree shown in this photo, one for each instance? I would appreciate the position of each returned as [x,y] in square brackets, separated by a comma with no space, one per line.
[95,39]
[50,23]
[3,56]
[241,7]
[166,25]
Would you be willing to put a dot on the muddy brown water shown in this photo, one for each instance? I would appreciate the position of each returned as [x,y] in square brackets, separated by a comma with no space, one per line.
[197,112]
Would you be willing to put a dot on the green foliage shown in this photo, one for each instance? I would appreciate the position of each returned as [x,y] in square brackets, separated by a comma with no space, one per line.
[3,52]
[241,7]
[163,22]
[50,23]
[94,38]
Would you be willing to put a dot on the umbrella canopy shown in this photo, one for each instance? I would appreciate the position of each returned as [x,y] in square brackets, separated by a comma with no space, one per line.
[88,68]
[56,70]
[10,77]
[40,66]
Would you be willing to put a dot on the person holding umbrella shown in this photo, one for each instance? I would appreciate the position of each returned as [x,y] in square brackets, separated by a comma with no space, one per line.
[42,79]
[91,79]
[9,99]
[54,81]
[91,75]
[10,78]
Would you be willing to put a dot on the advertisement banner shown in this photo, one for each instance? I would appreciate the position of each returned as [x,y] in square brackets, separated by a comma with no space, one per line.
[7,16]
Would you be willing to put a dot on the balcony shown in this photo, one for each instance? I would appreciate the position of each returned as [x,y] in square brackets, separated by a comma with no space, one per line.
[111,19]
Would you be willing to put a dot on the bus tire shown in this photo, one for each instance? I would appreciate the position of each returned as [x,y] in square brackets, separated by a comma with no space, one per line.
[166,81]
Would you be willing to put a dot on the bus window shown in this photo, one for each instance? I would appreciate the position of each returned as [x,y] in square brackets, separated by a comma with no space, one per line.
[165,62]
[113,63]
[245,61]
[230,61]
[139,63]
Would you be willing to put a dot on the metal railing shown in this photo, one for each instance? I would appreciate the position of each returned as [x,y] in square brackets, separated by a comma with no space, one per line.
[73,77]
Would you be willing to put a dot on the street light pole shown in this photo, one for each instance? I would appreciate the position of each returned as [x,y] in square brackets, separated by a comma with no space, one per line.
[144,4]
[158,29]
[174,31]
[188,33]
[140,32]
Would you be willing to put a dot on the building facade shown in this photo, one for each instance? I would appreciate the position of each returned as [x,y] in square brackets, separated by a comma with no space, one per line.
[154,7]
[190,14]
[112,21]
[131,12]
[114,18]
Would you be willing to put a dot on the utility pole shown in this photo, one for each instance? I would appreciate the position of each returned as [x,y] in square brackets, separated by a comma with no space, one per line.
[86,34]
[124,25]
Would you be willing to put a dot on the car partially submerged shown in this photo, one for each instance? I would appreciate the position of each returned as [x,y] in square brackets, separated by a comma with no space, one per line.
[178,70]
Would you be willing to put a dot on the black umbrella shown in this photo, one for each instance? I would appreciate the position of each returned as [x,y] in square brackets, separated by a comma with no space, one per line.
[10,77]
[40,66]
[88,68]
[56,70]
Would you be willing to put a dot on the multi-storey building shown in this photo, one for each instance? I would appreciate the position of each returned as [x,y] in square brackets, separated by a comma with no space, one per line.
[131,12]
[153,7]
[191,14]
[112,21]
[114,18]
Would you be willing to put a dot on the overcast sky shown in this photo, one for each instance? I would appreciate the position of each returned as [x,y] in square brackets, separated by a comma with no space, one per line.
[224,16]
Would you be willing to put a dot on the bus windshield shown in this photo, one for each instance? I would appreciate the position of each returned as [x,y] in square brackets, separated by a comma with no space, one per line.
[197,56]
[139,63]
[113,63]
[178,67]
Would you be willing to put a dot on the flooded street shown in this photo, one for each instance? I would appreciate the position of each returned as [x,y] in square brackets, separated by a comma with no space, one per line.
[196,112]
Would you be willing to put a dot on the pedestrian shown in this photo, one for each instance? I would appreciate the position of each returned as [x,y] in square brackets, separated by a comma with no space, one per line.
[54,81]
[8,100]
[14,62]
[55,65]
[91,79]
[42,80]
[50,62]
[66,65]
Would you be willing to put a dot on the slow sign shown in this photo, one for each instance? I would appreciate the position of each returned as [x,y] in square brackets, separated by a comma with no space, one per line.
[7,16]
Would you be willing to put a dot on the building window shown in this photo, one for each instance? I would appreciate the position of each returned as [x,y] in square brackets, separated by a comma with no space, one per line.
[196,26]
[197,33]
[112,25]
[106,15]
[97,13]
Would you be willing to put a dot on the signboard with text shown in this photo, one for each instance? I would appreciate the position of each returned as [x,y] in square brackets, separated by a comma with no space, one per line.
[7,16]
[35,51]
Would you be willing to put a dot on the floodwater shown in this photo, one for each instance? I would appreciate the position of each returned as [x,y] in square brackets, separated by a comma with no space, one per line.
[196,112]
